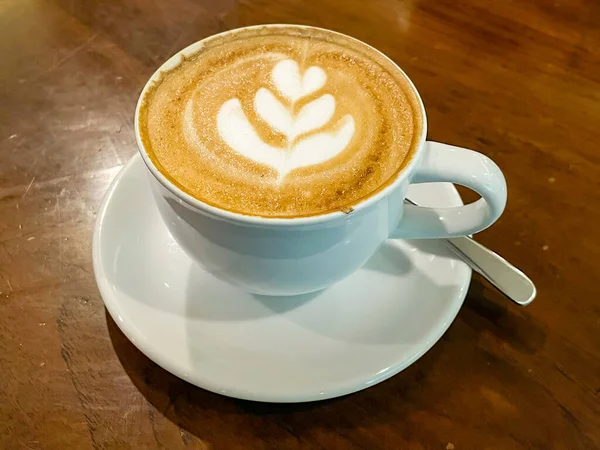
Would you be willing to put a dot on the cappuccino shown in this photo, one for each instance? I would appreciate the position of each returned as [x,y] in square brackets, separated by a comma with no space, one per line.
[281,121]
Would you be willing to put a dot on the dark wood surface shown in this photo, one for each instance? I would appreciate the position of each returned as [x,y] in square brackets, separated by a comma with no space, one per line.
[517,80]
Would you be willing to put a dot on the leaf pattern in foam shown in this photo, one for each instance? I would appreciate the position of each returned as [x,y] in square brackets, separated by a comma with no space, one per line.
[270,109]
[240,135]
[312,115]
[321,147]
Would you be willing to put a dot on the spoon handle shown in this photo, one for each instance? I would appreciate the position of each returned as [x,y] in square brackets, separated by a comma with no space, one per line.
[509,280]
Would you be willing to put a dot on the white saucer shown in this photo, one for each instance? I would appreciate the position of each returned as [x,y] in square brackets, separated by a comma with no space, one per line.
[351,336]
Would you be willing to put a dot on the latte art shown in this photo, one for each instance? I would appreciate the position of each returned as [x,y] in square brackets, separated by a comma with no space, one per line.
[281,121]
[237,131]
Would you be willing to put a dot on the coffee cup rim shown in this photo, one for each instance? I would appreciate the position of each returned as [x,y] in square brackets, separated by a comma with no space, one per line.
[254,220]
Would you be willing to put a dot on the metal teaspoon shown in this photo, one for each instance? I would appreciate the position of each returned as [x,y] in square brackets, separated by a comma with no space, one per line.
[505,277]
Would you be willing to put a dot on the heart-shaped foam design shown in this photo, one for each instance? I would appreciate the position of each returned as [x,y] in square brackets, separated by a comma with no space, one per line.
[287,79]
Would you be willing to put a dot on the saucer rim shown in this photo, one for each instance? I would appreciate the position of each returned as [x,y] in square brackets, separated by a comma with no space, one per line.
[349,386]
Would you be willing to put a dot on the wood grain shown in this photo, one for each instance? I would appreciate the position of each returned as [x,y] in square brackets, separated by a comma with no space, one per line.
[516,80]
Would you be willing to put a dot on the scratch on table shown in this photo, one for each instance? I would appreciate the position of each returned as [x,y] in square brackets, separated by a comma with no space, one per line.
[133,408]
[23,411]
[57,213]
[28,187]
[64,59]
[18,189]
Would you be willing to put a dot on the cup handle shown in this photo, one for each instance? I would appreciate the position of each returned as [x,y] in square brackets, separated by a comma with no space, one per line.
[442,162]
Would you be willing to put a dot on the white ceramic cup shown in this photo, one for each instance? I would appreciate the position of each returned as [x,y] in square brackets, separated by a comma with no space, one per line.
[277,256]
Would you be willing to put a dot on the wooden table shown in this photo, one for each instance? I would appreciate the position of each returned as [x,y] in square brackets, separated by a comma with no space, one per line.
[517,80]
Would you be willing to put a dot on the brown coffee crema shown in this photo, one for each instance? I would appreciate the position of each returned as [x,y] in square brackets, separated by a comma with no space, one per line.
[281,121]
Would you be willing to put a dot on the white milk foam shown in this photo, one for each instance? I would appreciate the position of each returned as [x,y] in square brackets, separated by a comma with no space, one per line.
[239,134]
